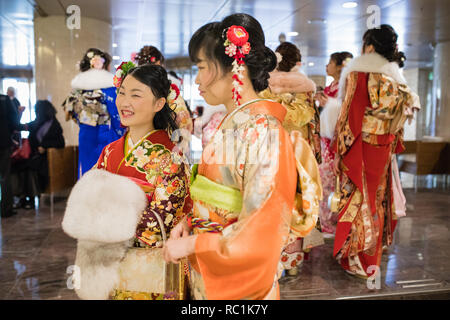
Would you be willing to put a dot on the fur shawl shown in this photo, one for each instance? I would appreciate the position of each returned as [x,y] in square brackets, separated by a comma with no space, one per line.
[370,62]
[293,82]
[374,63]
[93,79]
[102,213]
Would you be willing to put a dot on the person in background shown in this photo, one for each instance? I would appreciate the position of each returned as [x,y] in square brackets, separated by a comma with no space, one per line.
[17,138]
[9,123]
[328,117]
[91,104]
[295,91]
[376,102]
[32,173]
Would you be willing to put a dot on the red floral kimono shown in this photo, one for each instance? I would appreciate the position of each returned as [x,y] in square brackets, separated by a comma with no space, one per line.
[164,176]
[368,132]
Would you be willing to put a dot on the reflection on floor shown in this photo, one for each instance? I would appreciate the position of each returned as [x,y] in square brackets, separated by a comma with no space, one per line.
[35,255]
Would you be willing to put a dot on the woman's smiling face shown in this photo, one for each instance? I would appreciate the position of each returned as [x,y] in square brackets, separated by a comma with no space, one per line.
[136,103]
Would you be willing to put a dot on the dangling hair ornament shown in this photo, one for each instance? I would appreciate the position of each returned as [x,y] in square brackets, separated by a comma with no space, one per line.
[237,47]
[121,72]
[174,93]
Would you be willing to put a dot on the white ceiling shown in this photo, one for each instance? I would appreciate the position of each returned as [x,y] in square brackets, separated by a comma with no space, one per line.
[324,26]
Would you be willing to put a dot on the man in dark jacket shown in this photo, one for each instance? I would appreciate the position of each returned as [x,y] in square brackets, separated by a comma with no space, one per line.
[9,122]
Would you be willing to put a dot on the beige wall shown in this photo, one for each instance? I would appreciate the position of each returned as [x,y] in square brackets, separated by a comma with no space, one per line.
[57,51]
[412,79]
[441,90]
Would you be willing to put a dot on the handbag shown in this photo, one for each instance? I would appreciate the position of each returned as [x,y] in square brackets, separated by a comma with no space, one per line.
[144,270]
[335,197]
[23,152]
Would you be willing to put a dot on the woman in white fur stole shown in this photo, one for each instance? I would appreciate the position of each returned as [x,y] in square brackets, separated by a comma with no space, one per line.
[122,211]
[376,102]
[328,117]
[92,105]
[295,91]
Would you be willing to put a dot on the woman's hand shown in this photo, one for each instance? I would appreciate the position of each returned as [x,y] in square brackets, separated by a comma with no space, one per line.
[174,250]
[181,230]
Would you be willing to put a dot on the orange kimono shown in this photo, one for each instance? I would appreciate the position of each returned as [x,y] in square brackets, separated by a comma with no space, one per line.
[244,198]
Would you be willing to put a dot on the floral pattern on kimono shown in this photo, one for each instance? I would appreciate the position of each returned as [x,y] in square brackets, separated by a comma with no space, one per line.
[87,107]
[327,218]
[251,153]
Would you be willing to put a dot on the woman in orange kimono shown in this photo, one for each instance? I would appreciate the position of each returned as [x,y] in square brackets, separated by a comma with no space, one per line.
[376,102]
[244,189]
[122,211]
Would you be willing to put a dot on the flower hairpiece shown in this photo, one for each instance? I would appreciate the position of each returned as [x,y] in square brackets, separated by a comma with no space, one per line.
[121,72]
[174,93]
[97,62]
[237,47]
[346,61]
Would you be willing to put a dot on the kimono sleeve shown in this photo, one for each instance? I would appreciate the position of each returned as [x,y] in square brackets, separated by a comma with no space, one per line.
[242,261]
[171,193]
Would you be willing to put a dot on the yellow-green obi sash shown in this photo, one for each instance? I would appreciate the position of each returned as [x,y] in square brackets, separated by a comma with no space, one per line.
[213,193]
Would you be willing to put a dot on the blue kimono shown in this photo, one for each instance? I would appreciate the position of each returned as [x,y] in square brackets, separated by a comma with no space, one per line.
[92,104]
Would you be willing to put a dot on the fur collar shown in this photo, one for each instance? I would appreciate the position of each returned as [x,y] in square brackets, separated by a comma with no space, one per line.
[371,62]
[292,82]
[93,79]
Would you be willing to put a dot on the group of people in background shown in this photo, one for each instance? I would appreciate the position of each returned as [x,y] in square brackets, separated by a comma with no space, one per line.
[274,152]
[24,167]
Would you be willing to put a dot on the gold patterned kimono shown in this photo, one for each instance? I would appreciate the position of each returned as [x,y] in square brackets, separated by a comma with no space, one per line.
[295,92]
[245,200]
[369,130]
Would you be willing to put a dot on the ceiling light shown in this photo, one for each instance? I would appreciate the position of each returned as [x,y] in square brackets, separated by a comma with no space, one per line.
[114,45]
[116,58]
[292,34]
[311,64]
[350,4]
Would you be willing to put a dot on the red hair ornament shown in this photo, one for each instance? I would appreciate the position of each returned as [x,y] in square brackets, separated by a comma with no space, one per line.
[237,47]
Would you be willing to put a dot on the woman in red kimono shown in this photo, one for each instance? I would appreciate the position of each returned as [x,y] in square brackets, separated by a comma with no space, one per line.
[244,189]
[376,103]
[124,209]
[330,110]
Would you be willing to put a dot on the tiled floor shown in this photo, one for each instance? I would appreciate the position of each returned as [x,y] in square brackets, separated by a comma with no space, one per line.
[35,255]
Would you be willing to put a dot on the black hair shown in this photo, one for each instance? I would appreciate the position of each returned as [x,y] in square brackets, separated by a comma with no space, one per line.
[291,55]
[155,77]
[44,110]
[260,60]
[85,63]
[401,58]
[146,54]
[384,41]
[340,57]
